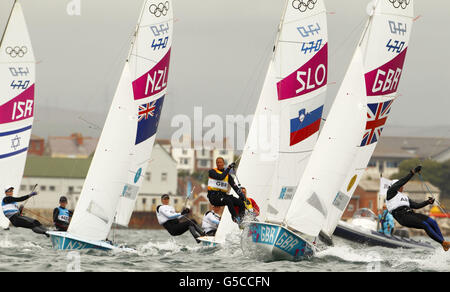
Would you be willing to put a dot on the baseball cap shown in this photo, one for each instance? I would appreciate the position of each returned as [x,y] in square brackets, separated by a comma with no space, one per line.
[165,196]
[63,199]
[9,189]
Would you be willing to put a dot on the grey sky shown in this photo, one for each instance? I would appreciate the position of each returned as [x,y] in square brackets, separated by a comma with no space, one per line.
[220,55]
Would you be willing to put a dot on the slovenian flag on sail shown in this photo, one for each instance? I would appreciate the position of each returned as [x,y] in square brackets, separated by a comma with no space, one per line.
[148,119]
[305,125]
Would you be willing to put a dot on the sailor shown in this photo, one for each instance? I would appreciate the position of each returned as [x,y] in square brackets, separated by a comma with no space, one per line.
[251,207]
[169,219]
[13,212]
[402,207]
[386,221]
[61,216]
[218,183]
[211,221]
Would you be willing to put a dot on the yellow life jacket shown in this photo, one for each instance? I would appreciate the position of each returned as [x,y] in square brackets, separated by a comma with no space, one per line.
[218,185]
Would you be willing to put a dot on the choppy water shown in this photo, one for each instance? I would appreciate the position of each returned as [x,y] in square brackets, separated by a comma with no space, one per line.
[22,250]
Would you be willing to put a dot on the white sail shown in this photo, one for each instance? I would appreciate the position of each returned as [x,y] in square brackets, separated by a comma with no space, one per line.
[288,114]
[17,85]
[149,64]
[384,48]
[338,161]
[108,173]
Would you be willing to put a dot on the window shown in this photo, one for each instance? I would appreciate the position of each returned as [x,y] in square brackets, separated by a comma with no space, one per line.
[144,201]
[31,188]
[23,187]
[370,204]
[43,188]
[184,152]
[391,164]
[164,176]
[372,163]
[71,188]
[153,201]
[37,146]
[148,176]
[175,201]
[223,152]
[203,163]
[51,188]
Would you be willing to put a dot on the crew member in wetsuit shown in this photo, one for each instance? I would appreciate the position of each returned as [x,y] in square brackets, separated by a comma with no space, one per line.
[401,208]
[168,218]
[218,183]
[61,216]
[211,221]
[13,212]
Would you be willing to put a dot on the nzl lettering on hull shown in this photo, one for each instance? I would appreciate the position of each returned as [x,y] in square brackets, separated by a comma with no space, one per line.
[309,77]
[19,108]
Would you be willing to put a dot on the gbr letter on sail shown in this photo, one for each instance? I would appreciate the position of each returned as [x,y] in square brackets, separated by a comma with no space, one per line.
[17,87]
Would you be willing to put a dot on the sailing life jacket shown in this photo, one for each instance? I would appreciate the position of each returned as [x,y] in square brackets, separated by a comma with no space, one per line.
[165,213]
[397,201]
[218,185]
[63,215]
[210,221]
[10,209]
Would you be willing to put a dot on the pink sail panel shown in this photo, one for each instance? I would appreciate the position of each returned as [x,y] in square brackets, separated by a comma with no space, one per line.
[385,79]
[19,108]
[154,81]
[309,77]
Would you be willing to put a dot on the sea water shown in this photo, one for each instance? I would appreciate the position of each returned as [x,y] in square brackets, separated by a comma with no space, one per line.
[157,251]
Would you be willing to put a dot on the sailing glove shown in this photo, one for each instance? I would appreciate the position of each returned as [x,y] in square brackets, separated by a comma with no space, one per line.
[185,211]
[430,200]
[418,169]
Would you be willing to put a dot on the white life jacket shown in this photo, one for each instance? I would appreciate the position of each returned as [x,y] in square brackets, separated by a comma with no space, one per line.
[218,185]
[10,209]
[399,200]
[210,221]
[165,213]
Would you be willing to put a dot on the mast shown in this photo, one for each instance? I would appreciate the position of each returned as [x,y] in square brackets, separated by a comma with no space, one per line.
[7,23]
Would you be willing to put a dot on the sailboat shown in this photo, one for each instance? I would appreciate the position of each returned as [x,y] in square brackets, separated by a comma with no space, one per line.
[291,106]
[17,85]
[349,136]
[124,149]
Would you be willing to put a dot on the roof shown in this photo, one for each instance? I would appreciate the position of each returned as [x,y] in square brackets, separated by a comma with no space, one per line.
[45,166]
[72,146]
[410,147]
[35,137]
[413,186]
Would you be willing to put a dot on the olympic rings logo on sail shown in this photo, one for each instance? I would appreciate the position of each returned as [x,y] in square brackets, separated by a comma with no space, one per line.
[16,51]
[400,3]
[303,5]
[160,9]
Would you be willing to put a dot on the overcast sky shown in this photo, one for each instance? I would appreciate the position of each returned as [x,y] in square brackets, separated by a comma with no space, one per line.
[220,54]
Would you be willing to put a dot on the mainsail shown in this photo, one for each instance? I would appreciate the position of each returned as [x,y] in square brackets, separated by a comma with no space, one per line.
[288,115]
[384,47]
[114,178]
[355,121]
[17,82]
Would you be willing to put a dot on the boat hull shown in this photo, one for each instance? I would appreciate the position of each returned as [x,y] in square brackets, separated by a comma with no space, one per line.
[66,241]
[373,238]
[274,242]
[208,241]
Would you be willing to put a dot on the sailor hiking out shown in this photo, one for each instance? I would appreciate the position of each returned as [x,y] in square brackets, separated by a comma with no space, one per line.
[211,221]
[402,207]
[169,219]
[218,185]
[13,212]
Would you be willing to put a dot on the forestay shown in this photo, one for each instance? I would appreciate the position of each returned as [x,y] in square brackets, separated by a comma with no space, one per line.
[361,105]
[17,83]
[288,115]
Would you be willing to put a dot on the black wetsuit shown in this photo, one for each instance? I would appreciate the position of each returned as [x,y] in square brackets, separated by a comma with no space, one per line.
[218,198]
[60,225]
[406,216]
[22,221]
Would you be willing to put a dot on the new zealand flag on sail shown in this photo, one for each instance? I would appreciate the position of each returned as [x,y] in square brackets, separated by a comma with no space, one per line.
[148,119]
[305,125]
[377,115]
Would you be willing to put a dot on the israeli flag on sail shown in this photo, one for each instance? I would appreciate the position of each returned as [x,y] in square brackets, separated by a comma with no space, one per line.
[148,119]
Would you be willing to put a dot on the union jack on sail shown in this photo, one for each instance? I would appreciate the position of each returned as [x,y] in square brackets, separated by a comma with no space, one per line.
[377,115]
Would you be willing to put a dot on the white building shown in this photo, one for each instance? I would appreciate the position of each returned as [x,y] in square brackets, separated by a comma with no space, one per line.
[64,176]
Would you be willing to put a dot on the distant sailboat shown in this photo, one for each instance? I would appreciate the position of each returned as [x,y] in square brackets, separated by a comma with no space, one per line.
[291,105]
[350,133]
[125,146]
[17,82]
